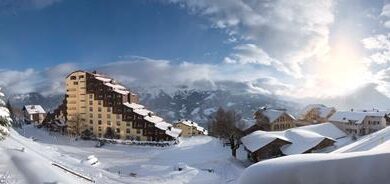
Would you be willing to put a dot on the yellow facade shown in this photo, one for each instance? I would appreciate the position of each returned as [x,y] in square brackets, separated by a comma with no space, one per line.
[188,131]
[84,112]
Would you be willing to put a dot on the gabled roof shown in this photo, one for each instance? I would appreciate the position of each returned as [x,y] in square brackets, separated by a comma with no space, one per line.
[323,110]
[34,109]
[193,124]
[274,114]
[325,129]
[259,139]
[354,116]
[302,139]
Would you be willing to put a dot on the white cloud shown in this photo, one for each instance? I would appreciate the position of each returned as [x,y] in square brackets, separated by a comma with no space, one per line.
[379,45]
[291,31]
[386,10]
[149,73]
[49,81]
[249,54]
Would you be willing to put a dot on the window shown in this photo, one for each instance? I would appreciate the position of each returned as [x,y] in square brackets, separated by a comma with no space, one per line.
[91,115]
[90,121]
[128,130]
[73,77]
[100,102]
[118,116]
[118,130]
[75,83]
[99,129]
[90,109]
[100,122]
[118,123]
[99,115]
[81,76]
[128,124]
[109,109]
[109,123]
[91,96]
[99,109]
[138,131]
[90,102]
[108,116]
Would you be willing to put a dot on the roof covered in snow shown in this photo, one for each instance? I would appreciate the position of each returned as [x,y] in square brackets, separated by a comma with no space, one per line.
[259,139]
[143,112]
[323,110]
[133,105]
[274,114]
[302,139]
[193,124]
[104,79]
[356,117]
[325,129]
[34,109]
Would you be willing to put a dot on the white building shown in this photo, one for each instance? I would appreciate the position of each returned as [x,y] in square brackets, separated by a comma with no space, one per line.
[359,123]
[34,113]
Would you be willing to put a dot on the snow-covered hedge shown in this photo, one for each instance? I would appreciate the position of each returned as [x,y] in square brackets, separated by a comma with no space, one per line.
[141,143]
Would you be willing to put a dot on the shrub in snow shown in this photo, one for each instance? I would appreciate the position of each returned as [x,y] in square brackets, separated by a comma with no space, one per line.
[3,132]
[4,124]
[180,166]
[91,160]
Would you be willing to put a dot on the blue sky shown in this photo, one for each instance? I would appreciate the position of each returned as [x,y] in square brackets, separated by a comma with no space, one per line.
[100,31]
[303,48]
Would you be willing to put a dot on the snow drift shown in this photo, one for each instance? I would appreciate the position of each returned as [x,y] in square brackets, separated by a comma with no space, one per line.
[357,168]
[365,161]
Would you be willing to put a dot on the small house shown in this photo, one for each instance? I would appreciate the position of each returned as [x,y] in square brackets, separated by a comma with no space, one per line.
[268,119]
[190,128]
[34,113]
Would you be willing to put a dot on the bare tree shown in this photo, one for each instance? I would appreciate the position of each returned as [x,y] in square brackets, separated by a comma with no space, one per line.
[224,125]
[76,124]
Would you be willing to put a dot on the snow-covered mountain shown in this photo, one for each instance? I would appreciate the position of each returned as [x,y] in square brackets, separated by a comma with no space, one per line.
[366,97]
[198,105]
[192,104]
[48,102]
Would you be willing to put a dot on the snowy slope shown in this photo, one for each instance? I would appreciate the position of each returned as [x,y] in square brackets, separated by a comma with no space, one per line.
[368,142]
[29,165]
[119,163]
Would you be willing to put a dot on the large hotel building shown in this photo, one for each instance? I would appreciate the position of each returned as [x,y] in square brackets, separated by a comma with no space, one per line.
[99,103]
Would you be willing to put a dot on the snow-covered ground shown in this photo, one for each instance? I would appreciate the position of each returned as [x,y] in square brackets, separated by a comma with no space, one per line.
[364,161]
[203,160]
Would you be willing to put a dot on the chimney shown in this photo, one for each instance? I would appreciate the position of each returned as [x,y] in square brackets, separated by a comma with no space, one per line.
[352,110]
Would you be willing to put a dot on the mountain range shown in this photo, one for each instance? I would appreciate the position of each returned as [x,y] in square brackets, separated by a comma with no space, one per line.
[199,105]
